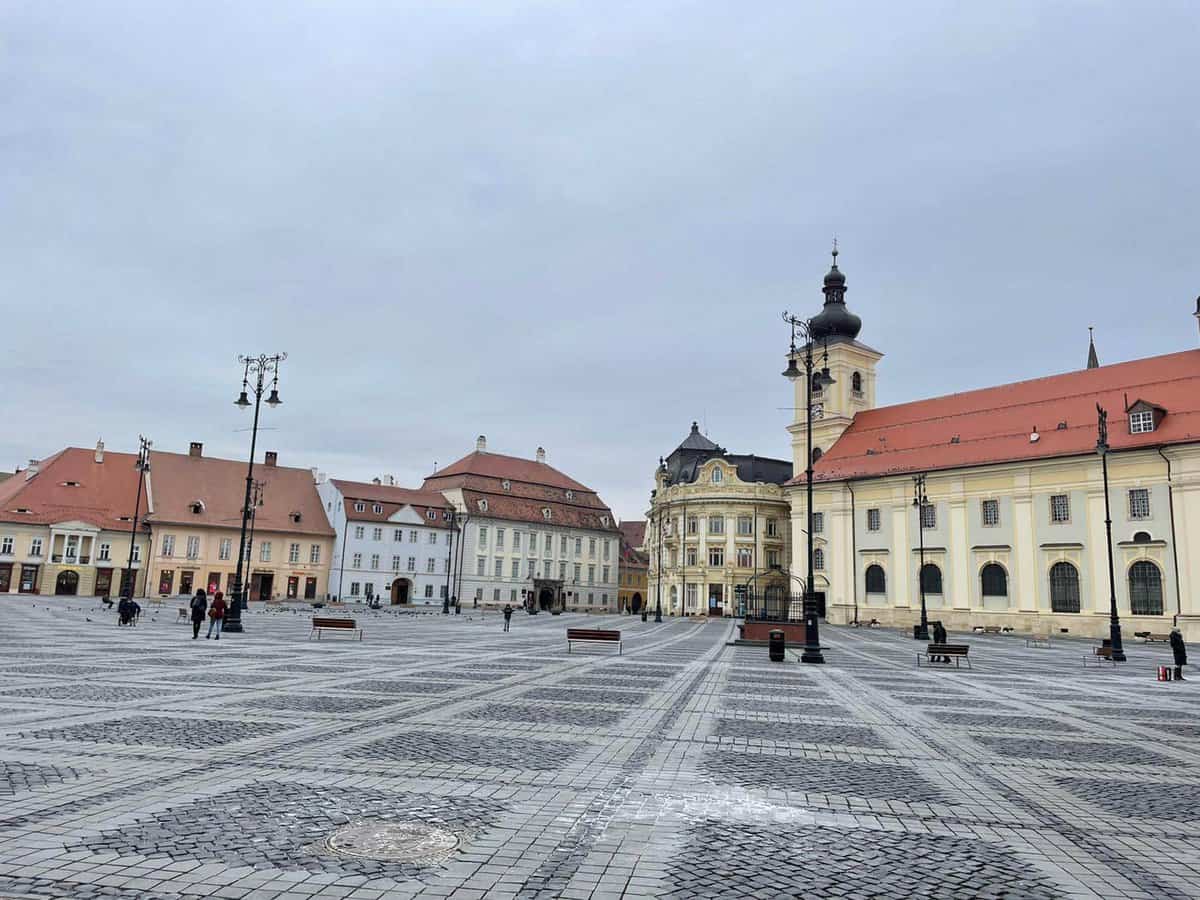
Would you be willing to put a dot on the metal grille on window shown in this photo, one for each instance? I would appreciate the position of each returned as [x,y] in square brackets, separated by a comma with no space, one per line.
[873,520]
[1060,508]
[1139,503]
[928,516]
[991,512]
[1145,589]
[994,581]
[1064,588]
[876,580]
[931,579]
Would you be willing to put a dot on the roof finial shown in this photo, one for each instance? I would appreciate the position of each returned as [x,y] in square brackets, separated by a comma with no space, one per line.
[1093,361]
[835,250]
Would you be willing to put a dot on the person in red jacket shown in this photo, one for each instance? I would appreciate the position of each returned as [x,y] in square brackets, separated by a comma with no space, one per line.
[216,615]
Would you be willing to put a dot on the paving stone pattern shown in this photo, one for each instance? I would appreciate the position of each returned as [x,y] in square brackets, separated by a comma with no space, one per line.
[137,764]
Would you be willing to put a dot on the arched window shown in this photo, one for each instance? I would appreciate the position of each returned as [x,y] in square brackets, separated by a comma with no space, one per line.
[931,579]
[819,559]
[856,382]
[1064,588]
[1141,537]
[1145,589]
[994,581]
[817,453]
[717,475]
[876,580]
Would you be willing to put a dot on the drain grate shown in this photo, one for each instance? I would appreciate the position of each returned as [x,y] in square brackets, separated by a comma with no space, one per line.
[409,842]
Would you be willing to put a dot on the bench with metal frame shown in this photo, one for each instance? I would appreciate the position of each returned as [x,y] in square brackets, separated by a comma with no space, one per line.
[957,652]
[1151,637]
[1099,655]
[320,623]
[593,636]
[1038,640]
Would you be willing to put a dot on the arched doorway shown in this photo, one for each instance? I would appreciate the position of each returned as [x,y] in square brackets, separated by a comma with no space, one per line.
[635,604]
[67,584]
[546,599]
[401,590]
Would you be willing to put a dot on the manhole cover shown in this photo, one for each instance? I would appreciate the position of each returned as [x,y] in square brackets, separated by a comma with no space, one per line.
[411,842]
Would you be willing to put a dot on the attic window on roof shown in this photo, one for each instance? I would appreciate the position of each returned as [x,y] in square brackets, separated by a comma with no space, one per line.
[197,507]
[546,512]
[483,505]
[1141,422]
[570,495]
[359,506]
[296,517]
[70,484]
[604,521]
[377,508]
[506,484]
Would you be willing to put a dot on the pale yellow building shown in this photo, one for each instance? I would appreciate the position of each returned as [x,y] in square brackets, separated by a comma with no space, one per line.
[717,521]
[1013,533]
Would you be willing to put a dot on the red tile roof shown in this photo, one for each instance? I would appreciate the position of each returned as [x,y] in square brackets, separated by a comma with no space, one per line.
[106,490]
[497,465]
[634,532]
[993,425]
[178,480]
[393,499]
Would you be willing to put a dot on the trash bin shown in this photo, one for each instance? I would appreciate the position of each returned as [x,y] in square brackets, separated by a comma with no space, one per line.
[775,645]
[917,632]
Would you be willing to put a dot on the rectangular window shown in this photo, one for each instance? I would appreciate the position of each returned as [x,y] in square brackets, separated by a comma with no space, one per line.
[874,522]
[693,525]
[745,525]
[591,548]
[716,525]
[772,528]
[374,562]
[377,534]
[773,559]
[716,556]
[137,551]
[691,556]
[547,568]
[429,592]
[105,553]
[395,564]
[431,565]
[412,564]
[530,566]
[928,516]
[442,592]
[398,535]
[1060,508]
[498,567]
[413,537]
[483,536]
[264,551]
[562,546]
[495,595]
[512,596]
[604,575]
[166,580]
[578,570]
[1139,503]
[562,571]
[168,545]
[745,557]
[516,568]
[591,574]
[294,553]
[578,546]
[359,531]
[35,547]
[6,546]
[818,522]
[516,545]
[354,588]
[193,548]
[991,513]
[1141,422]
[692,593]
[499,539]
[480,566]
[314,554]
[433,537]
[356,561]
[607,544]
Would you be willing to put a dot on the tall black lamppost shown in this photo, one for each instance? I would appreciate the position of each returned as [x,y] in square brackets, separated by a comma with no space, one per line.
[821,378]
[143,466]
[262,368]
[920,501]
[255,501]
[1114,622]
[658,586]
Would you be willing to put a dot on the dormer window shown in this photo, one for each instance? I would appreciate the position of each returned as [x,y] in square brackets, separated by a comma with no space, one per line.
[197,507]
[1141,422]
[506,484]
[483,505]
[296,517]
[359,506]
[70,484]
[546,512]
[717,475]
[377,508]
[570,495]
[604,521]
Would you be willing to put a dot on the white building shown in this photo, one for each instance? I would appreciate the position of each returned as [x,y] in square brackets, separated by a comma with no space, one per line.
[532,535]
[392,542]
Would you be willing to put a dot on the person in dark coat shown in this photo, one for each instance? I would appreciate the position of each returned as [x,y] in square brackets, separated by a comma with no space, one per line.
[939,637]
[507,615]
[1179,648]
[216,615]
[124,612]
[199,608]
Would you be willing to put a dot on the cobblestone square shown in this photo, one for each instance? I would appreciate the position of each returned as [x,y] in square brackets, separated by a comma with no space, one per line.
[136,763]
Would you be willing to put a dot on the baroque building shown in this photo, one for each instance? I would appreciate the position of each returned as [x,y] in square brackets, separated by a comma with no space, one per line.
[716,522]
[1012,528]
[530,535]
[633,568]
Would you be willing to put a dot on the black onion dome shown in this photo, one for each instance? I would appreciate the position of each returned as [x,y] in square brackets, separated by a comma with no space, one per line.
[835,321]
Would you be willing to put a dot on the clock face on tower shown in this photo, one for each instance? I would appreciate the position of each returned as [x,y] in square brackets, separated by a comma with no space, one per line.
[818,410]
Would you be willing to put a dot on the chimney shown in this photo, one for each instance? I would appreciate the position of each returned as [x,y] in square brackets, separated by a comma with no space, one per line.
[271,458]
[316,475]
[31,469]
[481,443]
[541,454]
[100,450]
[376,481]
[196,449]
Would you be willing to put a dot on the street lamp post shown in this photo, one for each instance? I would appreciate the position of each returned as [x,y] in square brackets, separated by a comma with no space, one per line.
[920,501]
[658,587]
[812,642]
[1114,622]
[143,466]
[261,367]
[256,498]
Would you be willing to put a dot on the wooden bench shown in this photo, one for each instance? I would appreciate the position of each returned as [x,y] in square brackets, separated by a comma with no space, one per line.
[320,623]
[1099,655]
[593,636]
[1038,640]
[1151,637]
[958,652]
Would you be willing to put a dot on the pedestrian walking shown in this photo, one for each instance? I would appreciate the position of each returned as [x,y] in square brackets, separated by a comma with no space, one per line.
[199,607]
[216,615]
[1179,648]
[508,611]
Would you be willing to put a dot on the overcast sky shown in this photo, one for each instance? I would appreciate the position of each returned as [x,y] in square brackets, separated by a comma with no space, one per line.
[571,224]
